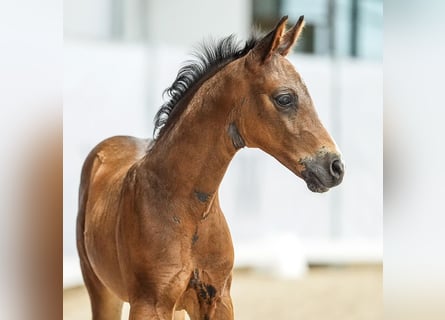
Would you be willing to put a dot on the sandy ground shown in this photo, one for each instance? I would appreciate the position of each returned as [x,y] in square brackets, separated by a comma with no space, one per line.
[325,293]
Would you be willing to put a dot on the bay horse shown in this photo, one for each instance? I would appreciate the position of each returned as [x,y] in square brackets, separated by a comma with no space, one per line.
[150,230]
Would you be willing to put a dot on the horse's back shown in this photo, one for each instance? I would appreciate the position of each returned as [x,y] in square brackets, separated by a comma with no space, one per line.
[103,175]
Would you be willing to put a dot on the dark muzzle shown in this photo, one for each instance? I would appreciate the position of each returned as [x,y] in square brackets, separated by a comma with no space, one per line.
[324,171]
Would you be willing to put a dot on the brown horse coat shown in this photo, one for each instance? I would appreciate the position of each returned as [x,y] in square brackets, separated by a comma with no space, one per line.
[150,229]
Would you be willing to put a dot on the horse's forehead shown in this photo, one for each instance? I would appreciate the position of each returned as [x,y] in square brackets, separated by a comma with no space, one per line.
[286,68]
[281,70]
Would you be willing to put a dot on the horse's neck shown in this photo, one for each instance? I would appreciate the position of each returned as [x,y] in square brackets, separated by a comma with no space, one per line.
[191,158]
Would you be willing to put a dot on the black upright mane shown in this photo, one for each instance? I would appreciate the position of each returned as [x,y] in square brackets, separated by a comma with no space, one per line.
[211,58]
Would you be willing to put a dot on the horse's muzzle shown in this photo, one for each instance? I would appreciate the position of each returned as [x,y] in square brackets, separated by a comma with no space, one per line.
[324,171]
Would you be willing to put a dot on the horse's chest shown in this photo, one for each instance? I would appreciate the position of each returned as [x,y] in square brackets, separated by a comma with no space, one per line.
[212,256]
[212,250]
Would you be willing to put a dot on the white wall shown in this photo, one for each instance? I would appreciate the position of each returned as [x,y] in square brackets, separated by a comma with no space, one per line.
[173,22]
[86,18]
[187,22]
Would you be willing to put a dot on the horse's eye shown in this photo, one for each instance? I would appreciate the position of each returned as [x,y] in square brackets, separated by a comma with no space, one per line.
[285,100]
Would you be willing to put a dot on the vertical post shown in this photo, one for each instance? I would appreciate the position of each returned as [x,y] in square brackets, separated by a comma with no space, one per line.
[331,26]
[354,28]
[143,17]
[117,29]
[335,88]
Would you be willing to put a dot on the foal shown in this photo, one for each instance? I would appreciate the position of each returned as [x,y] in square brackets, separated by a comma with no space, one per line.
[150,230]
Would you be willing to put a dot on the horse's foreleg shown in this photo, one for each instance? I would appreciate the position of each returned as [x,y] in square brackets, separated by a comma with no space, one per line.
[203,304]
[142,310]
[224,309]
[224,306]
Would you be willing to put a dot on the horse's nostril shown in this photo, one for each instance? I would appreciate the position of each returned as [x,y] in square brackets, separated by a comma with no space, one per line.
[337,169]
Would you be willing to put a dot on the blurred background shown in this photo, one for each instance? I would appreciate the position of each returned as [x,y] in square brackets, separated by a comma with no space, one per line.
[317,256]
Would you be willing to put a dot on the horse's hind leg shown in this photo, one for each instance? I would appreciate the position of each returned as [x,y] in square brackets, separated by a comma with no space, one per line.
[104,304]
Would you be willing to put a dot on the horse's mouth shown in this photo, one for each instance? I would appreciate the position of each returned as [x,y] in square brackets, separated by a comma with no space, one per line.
[314,184]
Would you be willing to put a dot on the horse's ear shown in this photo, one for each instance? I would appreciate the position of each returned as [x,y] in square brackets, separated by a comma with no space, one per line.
[270,43]
[291,37]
